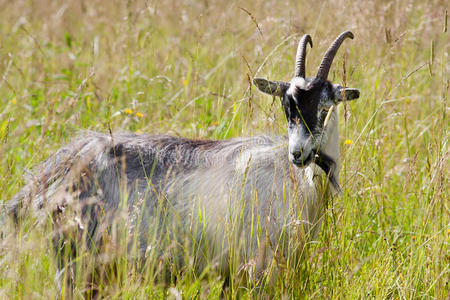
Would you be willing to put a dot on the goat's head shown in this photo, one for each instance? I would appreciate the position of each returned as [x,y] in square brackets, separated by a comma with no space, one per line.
[308,102]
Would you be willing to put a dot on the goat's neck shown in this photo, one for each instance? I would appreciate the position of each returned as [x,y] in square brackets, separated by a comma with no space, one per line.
[332,146]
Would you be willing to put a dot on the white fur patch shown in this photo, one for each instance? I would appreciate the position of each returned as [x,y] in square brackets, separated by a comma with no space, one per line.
[255,156]
[309,175]
[299,82]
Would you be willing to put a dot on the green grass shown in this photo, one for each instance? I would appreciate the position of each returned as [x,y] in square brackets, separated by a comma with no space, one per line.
[182,67]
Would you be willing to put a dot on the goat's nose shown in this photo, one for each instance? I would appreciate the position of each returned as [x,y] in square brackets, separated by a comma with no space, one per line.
[297,154]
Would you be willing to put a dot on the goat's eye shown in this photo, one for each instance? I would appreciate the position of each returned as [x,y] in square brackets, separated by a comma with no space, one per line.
[324,113]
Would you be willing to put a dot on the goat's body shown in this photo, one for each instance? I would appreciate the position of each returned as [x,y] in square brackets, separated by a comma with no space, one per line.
[243,202]
[203,188]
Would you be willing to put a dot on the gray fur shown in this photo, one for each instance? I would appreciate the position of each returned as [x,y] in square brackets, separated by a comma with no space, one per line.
[218,179]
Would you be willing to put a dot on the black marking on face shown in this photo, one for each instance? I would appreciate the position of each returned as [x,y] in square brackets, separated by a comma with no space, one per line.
[328,165]
[306,105]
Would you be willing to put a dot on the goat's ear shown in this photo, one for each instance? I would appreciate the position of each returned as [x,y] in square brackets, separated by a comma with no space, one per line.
[348,94]
[275,88]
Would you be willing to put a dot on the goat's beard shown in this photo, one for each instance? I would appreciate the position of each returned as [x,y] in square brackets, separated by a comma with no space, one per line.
[328,165]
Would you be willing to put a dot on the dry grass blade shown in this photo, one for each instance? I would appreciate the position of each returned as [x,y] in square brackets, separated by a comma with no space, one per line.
[253,19]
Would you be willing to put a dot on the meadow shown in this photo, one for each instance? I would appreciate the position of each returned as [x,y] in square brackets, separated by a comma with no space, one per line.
[184,68]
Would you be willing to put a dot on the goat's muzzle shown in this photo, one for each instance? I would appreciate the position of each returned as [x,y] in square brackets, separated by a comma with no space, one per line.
[301,159]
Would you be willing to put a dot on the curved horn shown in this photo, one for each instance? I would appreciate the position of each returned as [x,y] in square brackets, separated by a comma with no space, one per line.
[329,55]
[301,54]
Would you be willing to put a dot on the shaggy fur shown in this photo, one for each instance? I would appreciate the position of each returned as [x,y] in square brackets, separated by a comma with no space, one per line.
[180,187]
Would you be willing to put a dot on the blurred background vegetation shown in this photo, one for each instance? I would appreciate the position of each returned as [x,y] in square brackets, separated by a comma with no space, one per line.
[183,67]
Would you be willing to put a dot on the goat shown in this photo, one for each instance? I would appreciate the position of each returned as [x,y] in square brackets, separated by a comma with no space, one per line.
[266,193]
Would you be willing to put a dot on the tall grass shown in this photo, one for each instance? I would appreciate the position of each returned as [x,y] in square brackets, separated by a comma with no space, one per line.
[182,67]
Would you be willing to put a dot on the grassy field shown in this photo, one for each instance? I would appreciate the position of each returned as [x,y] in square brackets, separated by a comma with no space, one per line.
[182,67]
